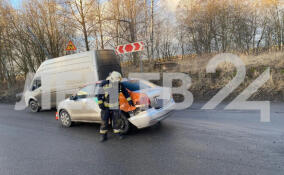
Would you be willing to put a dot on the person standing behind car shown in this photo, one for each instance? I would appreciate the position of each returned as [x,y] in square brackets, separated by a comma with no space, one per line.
[108,100]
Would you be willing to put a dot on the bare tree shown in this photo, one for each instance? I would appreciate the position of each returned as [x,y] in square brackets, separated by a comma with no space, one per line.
[81,13]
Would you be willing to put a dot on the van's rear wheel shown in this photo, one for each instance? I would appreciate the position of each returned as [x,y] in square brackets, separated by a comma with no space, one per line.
[65,119]
[34,106]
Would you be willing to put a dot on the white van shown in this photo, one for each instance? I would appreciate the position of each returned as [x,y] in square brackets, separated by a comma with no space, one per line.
[59,78]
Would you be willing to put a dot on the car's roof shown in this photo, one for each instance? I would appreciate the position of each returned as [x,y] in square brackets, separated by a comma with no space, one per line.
[100,81]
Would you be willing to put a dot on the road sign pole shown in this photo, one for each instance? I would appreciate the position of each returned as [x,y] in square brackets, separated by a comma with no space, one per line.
[141,63]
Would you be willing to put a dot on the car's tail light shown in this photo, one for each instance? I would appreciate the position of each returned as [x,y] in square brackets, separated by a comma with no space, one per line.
[149,102]
[144,103]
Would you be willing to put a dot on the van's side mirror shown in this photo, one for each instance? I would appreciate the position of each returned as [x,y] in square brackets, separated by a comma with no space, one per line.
[33,87]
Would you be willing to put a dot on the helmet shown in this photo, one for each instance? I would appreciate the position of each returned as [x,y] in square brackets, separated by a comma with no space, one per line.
[114,76]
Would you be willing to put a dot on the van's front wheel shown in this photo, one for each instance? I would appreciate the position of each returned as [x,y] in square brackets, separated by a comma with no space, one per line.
[34,106]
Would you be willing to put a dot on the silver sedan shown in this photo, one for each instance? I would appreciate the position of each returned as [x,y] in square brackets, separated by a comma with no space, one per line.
[83,107]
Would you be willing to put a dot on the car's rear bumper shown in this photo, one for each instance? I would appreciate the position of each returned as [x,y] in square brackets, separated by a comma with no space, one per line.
[151,116]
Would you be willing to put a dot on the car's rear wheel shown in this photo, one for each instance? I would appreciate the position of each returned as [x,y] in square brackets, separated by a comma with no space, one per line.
[34,106]
[124,124]
[65,119]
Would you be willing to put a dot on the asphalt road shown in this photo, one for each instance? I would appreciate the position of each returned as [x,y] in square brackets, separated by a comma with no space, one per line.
[192,141]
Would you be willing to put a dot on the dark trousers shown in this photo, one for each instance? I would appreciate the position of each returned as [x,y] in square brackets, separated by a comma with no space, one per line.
[110,115]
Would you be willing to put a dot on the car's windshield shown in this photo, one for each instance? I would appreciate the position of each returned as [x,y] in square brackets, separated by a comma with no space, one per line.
[86,91]
[135,85]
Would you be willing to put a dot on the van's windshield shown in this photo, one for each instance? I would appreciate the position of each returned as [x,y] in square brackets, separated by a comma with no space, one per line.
[107,61]
[36,84]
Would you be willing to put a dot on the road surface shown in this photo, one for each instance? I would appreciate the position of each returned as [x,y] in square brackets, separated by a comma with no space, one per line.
[192,142]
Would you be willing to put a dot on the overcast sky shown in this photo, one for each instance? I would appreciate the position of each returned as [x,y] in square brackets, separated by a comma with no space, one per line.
[171,5]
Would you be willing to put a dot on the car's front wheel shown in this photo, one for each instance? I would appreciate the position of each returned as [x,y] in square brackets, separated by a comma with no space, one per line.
[65,119]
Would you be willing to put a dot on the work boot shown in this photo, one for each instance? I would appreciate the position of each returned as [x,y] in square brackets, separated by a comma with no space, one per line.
[121,136]
[103,138]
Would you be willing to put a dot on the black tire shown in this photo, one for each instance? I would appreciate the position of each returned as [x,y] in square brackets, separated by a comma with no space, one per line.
[65,119]
[124,124]
[34,106]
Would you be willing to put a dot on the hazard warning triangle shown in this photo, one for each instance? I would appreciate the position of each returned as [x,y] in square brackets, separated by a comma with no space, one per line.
[70,46]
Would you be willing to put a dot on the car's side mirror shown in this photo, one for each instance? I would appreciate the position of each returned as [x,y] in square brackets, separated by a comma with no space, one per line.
[74,97]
